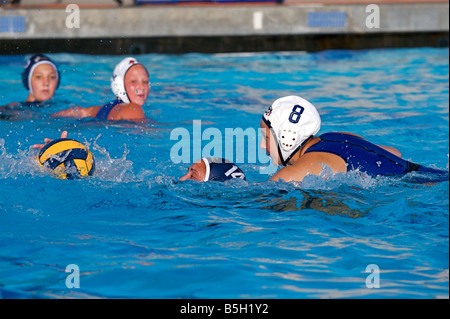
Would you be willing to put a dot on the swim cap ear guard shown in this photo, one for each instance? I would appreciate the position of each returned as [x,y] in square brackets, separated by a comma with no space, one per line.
[219,169]
[293,121]
[32,63]
[118,78]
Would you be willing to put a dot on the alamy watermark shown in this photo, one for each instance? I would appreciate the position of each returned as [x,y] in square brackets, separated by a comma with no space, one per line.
[73,280]
[73,19]
[234,144]
[373,280]
[373,19]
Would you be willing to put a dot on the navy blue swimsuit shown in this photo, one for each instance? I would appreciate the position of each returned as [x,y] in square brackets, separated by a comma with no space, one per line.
[365,156]
[104,111]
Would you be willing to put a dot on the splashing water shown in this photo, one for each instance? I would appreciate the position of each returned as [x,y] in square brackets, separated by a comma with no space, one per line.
[135,231]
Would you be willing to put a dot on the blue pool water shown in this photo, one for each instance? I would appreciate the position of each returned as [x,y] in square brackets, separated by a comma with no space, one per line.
[134,231]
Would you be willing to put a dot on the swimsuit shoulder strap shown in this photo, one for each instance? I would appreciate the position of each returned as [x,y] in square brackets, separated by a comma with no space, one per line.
[103,113]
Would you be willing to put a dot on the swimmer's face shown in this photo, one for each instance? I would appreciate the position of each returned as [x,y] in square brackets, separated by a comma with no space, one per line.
[268,143]
[137,84]
[44,81]
[196,172]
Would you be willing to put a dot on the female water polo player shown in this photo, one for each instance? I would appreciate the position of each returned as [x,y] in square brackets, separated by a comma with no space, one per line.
[213,169]
[41,78]
[130,84]
[206,169]
[289,127]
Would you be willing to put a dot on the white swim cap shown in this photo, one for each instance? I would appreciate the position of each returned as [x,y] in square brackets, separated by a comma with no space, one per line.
[293,121]
[118,78]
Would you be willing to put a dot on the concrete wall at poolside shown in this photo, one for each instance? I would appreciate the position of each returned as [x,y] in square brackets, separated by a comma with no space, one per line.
[293,25]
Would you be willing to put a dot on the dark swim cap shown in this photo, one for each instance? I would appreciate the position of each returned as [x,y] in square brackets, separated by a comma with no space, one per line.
[219,169]
[32,63]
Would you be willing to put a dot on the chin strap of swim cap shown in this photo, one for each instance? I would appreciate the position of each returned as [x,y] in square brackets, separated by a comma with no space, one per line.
[286,161]
[286,142]
[118,78]
[219,169]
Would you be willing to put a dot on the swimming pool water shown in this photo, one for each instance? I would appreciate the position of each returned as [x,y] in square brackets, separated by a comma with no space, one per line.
[134,231]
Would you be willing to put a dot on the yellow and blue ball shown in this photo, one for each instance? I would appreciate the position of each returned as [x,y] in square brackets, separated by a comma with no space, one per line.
[67,159]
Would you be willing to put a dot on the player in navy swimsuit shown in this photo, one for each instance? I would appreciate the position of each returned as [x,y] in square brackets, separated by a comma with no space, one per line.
[130,84]
[105,109]
[289,129]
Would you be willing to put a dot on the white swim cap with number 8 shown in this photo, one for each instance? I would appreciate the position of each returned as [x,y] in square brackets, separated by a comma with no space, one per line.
[292,120]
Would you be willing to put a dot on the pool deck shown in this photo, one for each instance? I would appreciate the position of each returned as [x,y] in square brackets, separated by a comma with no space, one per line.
[107,28]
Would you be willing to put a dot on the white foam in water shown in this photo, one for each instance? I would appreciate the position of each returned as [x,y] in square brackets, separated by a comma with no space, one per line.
[107,169]
[15,165]
[327,180]
[25,163]
[120,170]
[112,169]
[134,212]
